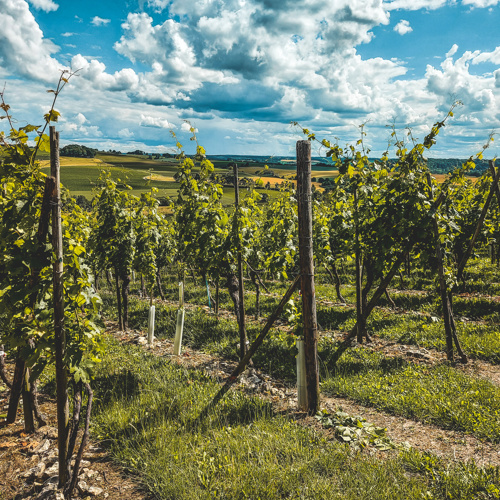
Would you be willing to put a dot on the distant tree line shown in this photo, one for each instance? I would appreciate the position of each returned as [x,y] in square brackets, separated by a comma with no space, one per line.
[445,165]
[78,151]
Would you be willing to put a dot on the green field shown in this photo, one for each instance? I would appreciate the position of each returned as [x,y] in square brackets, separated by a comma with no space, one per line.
[80,175]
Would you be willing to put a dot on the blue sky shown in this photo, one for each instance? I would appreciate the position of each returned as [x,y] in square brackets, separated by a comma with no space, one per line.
[241,70]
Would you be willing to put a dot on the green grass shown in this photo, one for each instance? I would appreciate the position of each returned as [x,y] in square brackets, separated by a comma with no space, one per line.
[438,394]
[478,340]
[145,407]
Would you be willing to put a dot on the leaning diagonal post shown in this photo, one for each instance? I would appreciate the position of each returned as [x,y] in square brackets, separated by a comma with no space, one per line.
[251,351]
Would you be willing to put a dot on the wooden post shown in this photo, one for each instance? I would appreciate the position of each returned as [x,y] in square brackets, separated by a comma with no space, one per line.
[307,274]
[29,421]
[241,293]
[359,274]
[443,291]
[119,301]
[60,337]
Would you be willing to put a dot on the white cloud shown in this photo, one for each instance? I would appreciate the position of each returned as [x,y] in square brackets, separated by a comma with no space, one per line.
[125,133]
[242,69]
[491,57]
[452,51]
[95,72]
[78,127]
[80,119]
[155,122]
[23,48]
[454,80]
[481,3]
[415,4]
[497,78]
[67,34]
[99,21]
[45,5]
[403,27]
[435,4]
[167,49]
[186,127]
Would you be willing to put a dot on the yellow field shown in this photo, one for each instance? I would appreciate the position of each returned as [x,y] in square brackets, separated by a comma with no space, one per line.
[67,161]
[274,180]
[158,177]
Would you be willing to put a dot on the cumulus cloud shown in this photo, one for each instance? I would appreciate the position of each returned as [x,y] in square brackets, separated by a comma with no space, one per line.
[155,122]
[99,21]
[45,5]
[23,48]
[435,4]
[79,126]
[452,51]
[234,56]
[95,72]
[454,79]
[497,78]
[415,4]
[186,127]
[491,57]
[481,4]
[167,49]
[125,133]
[244,68]
[403,27]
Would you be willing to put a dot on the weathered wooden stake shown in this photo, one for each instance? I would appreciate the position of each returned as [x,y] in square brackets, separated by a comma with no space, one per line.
[359,274]
[60,337]
[241,292]
[307,274]
[121,326]
[29,421]
[231,380]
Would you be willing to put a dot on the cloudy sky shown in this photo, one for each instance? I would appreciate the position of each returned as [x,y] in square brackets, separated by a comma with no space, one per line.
[241,70]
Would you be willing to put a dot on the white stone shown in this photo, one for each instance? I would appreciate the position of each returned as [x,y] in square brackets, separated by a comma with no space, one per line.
[83,486]
[94,491]
[42,447]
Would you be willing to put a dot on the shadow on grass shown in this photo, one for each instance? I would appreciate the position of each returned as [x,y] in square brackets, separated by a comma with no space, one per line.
[334,318]
[110,388]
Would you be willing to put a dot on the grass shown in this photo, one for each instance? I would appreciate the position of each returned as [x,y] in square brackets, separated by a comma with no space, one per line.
[144,409]
[438,394]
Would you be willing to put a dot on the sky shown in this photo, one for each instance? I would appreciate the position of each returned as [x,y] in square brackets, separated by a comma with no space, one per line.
[240,71]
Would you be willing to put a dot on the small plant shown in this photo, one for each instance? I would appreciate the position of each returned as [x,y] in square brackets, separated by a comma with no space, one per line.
[356,431]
